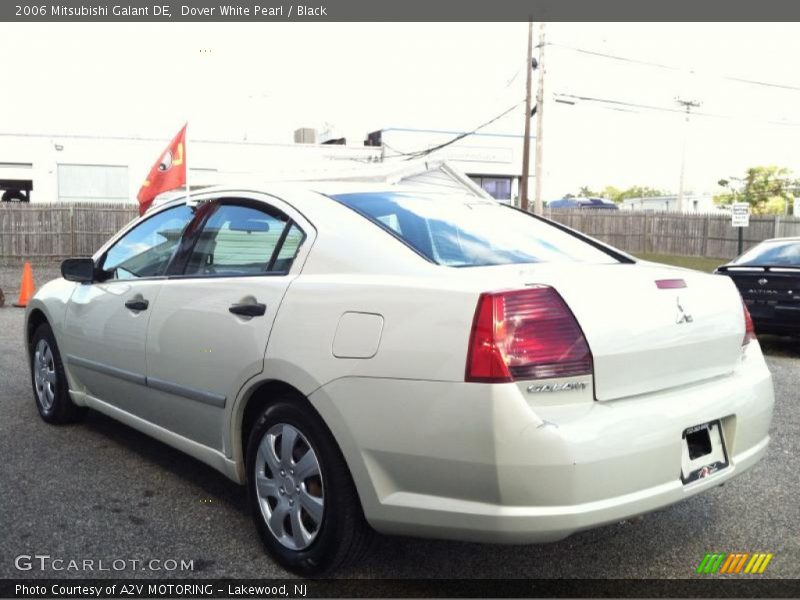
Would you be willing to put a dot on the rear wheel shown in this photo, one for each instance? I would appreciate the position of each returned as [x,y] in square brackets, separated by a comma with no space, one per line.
[49,381]
[14,196]
[302,496]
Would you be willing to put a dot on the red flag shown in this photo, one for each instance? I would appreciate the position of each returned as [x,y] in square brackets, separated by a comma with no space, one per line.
[168,173]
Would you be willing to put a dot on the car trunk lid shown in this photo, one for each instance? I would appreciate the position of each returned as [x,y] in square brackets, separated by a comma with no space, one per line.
[644,336]
[766,289]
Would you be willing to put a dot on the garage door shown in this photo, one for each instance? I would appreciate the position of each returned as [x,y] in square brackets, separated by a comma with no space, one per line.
[101,183]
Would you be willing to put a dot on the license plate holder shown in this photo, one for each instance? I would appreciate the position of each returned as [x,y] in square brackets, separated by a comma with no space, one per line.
[703,451]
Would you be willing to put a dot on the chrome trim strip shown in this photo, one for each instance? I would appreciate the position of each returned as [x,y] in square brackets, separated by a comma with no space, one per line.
[156,384]
[106,369]
[187,392]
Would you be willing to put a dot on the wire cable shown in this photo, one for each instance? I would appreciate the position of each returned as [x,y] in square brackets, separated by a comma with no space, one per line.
[617,104]
[461,136]
[626,59]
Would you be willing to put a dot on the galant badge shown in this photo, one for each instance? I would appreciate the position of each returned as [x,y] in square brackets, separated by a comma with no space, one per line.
[683,315]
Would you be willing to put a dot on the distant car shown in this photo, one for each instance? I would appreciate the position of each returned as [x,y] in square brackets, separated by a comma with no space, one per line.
[768,277]
[590,203]
[426,364]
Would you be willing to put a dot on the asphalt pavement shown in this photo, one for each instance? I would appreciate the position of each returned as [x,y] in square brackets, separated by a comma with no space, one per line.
[102,491]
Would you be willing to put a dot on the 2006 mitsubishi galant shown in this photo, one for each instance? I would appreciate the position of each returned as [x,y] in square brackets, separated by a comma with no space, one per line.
[406,361]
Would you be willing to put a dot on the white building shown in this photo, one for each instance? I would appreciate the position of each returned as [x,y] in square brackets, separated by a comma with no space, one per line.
[492,160]
[691,203]
[91,168]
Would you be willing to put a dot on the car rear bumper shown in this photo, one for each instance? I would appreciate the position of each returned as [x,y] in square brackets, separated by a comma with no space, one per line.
[778,318]
[491,463]
[782,324]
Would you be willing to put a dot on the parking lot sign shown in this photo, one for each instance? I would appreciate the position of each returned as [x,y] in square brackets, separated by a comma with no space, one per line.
[740,214]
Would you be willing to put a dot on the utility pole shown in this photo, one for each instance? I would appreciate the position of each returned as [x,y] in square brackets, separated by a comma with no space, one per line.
[688,106]
[539,172]
[526,142]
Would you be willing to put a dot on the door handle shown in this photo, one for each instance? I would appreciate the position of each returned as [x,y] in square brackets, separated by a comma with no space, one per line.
[249,310]
[137,304]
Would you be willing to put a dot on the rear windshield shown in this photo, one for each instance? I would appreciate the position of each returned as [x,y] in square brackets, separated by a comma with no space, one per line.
[459,231]
[773,253]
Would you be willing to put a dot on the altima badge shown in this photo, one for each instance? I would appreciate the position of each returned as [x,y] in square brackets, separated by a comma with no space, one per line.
[683,316]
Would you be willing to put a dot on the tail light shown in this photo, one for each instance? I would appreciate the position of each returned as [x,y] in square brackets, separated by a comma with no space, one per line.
[525,334]
[749,330]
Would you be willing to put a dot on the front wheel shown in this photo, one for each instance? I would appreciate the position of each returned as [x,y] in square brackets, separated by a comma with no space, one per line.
[302,496]
[50,390]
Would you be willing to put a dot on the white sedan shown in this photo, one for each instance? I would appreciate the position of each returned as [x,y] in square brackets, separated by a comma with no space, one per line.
[405,361]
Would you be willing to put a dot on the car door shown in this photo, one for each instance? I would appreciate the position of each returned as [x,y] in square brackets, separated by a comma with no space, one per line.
[106,321]
[208,332]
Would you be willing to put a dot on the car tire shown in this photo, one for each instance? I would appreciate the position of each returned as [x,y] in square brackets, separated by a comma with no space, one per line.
[14,196]
[304,502]
[49,381]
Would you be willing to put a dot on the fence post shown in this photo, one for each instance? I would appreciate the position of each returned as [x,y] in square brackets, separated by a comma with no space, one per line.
[706,230]
[72,230]
[644,234]
[777,231]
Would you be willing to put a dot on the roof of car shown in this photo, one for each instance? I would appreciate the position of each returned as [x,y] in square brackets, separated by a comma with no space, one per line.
[793,238]
[328,188]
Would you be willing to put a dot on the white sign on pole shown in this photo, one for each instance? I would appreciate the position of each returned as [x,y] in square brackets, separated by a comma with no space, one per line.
[740,214]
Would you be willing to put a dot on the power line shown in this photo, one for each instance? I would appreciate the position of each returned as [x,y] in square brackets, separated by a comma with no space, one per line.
[666,67]
[425,151]
[615,57]
[623,105]
[629,104]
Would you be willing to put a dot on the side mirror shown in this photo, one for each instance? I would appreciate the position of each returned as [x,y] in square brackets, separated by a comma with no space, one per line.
[78,269]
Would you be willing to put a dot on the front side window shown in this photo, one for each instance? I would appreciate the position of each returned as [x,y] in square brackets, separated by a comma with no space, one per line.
[241,240]
[146,249]
[460,231]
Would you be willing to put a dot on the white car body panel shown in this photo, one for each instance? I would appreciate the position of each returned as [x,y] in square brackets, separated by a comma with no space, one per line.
[507,469]
[376,338]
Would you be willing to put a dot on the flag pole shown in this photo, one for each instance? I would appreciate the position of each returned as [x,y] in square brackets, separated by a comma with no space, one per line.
[186,158]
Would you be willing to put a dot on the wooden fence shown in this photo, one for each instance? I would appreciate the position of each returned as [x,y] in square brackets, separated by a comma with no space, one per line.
[44,232]
[644,232]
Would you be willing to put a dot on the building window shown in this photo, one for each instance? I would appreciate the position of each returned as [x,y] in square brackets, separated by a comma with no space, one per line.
[498,188]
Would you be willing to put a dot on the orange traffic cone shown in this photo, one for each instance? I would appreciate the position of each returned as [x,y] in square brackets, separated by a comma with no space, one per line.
[26,288]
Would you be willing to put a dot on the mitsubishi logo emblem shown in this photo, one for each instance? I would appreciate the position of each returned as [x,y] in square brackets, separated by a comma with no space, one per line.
[683,315]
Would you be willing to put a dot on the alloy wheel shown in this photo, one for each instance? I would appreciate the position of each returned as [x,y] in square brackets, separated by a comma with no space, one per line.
[44,375]
[289,486]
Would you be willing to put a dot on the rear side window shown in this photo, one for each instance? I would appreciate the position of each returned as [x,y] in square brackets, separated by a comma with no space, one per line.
[289,248]
[241,240]
[773,253]
[461,231]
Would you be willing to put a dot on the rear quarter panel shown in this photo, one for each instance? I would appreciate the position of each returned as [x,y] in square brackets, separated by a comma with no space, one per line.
[425,333]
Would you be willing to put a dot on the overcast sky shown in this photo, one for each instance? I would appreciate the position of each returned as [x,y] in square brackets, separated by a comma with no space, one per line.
[261,81]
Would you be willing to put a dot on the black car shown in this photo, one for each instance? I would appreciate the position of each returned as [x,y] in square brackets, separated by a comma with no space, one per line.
[590,203]
[768,277]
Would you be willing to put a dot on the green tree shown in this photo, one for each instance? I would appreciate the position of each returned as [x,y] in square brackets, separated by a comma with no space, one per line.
[767,189]
[617,195]
[638,191]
